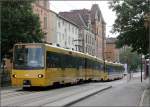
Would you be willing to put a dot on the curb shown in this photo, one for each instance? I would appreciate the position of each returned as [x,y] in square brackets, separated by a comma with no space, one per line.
[77,98]
[75,101]
[142,98]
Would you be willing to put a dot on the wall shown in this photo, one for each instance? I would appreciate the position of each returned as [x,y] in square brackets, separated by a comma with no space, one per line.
[43,16]
[67,34]
[111,52]
[52,22]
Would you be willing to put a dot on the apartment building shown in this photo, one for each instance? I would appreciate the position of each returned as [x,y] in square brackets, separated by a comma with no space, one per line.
[41,8]
[111,52]
[92,29]
[63,32]
[67,33]
[99,29]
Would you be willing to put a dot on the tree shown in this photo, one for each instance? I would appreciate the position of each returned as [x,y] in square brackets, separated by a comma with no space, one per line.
[130,24]
[18,24]
[131,58]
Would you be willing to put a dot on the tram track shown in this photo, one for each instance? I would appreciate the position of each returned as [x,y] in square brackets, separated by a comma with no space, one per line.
[58,97]
[45,97]
[9,90]
[14,93]
[66,101]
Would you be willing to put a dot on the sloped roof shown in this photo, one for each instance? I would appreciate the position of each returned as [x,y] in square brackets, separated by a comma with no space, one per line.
[81,17]
[95,8]
[85,14]
[74,16]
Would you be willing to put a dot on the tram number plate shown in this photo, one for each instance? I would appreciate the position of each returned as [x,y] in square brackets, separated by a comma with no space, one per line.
[26,85]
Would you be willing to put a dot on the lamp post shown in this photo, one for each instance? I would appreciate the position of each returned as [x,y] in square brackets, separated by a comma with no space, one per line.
[147,26]
[141,67]
[103,45]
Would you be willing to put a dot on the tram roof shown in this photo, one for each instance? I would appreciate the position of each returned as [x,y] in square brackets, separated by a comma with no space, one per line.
[77,53]
[74,52]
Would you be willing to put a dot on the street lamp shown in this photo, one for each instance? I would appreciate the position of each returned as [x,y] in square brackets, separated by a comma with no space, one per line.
[147,26]
[103,48]
[141,66]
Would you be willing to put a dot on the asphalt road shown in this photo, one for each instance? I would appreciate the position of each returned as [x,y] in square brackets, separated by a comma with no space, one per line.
[122,93]
[18,97]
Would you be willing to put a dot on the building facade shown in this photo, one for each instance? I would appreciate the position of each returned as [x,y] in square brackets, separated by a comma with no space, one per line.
[99,29]
[86,38]
[52,38]
[67,33]
[111,52]
[43,3]
[92,29]
[89,43]
[63,32]
[81,30]
[41,9]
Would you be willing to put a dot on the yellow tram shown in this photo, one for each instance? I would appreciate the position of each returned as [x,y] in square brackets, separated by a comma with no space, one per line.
[39,64]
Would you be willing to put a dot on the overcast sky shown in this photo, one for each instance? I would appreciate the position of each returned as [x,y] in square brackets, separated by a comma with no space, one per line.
[109,16]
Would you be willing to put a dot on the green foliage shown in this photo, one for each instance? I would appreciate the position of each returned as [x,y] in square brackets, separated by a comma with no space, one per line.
[131,58]
[18,24]
[130,24]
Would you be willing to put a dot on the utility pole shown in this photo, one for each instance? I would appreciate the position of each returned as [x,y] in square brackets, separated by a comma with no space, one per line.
[141,67]
[103,46]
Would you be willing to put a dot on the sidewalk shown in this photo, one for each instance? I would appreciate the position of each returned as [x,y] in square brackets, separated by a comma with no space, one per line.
[145,98]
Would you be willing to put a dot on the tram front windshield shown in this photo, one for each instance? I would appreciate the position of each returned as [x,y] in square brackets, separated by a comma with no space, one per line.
[28,57]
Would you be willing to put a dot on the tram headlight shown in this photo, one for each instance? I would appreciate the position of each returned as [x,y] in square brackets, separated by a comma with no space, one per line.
[14,75]
[40,75]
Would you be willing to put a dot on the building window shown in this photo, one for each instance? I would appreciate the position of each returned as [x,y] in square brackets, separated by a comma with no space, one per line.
[58,23]
[86,39]
[69,27]
[38,1]
[45,3]
[72,41]
[58,38]
[90,39]
[69,41]
[45,22]
[63,36]
[72,29]
[41,11]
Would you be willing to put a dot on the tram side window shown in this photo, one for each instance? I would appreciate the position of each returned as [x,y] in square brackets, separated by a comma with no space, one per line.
[83,63]
[89,64]
[96,65]
[76,62]
[107,68]
[102,66]
[80,63]
[99,66]
[70,61]
[92,64]
[116,69]
[53,60]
